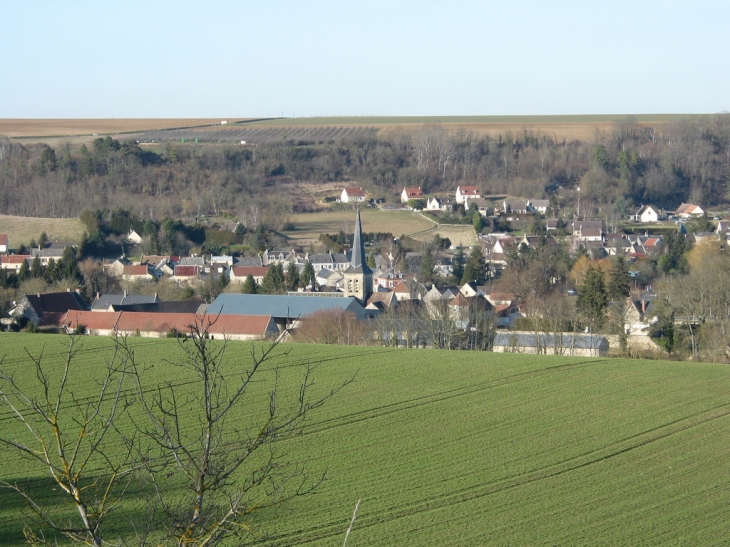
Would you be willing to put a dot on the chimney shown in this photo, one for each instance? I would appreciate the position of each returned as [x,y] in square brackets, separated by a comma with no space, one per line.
[98,296]
[68,289]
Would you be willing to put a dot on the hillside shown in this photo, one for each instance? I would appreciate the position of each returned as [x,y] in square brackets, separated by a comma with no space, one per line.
[468,448]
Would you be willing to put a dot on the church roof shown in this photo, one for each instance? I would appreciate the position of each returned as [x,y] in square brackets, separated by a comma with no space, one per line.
[358,263]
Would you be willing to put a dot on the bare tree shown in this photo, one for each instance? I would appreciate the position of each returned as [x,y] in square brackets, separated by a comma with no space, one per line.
[225,470]
[71,437]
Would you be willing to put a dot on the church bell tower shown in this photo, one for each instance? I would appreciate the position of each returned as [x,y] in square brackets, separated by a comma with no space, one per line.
[358,276]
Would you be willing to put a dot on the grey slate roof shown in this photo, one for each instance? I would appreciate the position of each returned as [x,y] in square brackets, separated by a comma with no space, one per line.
[249,261]
[280,306]
[106,300]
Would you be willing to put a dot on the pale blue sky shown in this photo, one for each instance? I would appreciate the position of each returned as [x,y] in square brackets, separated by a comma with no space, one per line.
[318,58]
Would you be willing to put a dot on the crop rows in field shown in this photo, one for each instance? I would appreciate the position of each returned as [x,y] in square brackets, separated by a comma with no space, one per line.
[470,448]
[259,135]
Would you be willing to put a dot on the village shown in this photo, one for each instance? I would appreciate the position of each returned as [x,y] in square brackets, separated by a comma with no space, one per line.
[402,298]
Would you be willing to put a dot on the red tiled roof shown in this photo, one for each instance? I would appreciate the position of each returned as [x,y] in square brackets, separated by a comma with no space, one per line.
[186,271]
[3,239]
[469,190]
[255,271]
[459,300]
[136,270]
[13,259]
[163,322]
[355,192]
[413,192]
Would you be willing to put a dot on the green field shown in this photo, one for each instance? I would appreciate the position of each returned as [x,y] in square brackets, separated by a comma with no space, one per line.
[468,448]
[308,226]
[23,229]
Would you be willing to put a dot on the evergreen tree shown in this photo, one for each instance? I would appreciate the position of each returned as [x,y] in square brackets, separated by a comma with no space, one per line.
[52,271]
[428,265]
[36,268]
[478,222]
[293,279]
[308,277]
[592,297]
[249,286]
[619,284]
[458,263]
[273,282]
[68,267]
[24,272]
[3,278]
[43,240]
[476,267]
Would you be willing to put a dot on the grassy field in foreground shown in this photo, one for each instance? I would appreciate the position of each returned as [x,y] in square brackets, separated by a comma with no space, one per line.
[468,448]
[23,229]
[308,226]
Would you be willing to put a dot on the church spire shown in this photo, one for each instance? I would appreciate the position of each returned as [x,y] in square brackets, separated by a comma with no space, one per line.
[358,249]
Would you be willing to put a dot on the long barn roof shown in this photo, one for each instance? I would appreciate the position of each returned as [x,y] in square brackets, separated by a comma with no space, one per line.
[281,306]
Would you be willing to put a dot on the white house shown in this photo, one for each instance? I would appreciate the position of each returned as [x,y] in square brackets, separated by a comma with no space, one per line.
[647,213]
[133,237]
[435,204]
[538,205]
[411,193]
[464,192]
[352,195]
[3,243]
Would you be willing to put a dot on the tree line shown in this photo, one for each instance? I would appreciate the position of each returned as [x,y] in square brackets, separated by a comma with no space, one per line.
[683,161]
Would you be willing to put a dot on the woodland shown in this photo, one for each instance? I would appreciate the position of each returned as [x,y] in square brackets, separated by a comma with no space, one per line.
[687,161]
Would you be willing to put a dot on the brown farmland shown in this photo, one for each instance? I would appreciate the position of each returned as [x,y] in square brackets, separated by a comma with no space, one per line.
[28,128]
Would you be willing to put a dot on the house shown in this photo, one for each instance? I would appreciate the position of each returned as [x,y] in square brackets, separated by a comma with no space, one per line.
[464,192]
[248,261]
[411,193]
[329,278]
[283,257]
[647,213]
[4,246]
[54,252]
[13,263]
[186,273]
[133,237]
[538,206]
[483,206]
[514,206]
[45,308]
[352,195]
[588,230]
[567,343]
[687,210]
[107,302]
[115,268]
[436,204]
[238,274]
[723,229]
[137,273]
[329,261]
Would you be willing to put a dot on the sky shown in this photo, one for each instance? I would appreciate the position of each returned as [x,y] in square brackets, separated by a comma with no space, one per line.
[240,59]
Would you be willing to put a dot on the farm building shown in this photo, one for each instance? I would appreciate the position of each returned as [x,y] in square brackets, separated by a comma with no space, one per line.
[42,309]
[560,344]
[106,302]
[285,309]
[158,325]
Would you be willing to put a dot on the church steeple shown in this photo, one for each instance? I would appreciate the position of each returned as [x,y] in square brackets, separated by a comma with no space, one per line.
[358,276]
[358,249]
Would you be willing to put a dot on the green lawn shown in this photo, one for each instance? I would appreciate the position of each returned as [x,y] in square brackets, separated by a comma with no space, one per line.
[468,448]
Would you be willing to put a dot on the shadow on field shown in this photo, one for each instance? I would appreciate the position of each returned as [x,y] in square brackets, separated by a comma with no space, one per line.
[15,513]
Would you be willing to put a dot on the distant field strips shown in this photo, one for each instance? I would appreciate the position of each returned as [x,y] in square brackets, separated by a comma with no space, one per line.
[259,135]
